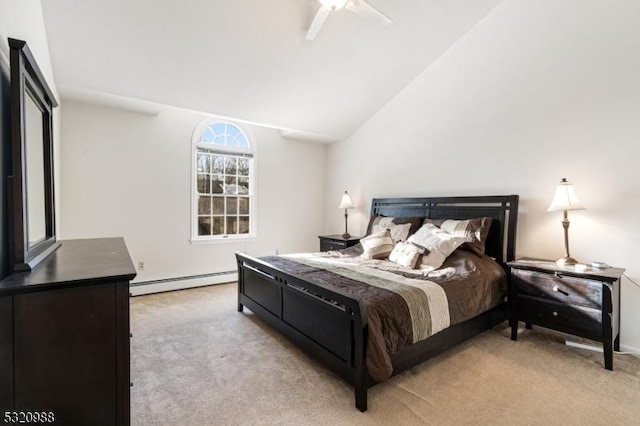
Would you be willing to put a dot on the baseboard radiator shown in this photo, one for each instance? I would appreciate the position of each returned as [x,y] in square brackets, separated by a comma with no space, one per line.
[181,283]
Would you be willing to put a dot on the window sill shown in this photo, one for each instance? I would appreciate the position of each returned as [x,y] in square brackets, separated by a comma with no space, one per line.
[218,240]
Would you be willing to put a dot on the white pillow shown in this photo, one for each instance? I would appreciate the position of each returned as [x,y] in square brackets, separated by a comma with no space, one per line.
[406,254]
[378,245]
[398,232]
[439,244]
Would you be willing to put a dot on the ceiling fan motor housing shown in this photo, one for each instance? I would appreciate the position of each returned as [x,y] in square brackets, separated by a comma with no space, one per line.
[333,4]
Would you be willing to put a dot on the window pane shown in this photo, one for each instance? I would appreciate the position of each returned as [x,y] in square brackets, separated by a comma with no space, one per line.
[219,140]
[244,225]
[231,185]
[204,205]
[204,184]
[216,184]
[243,167]
[207,135]
[243,184]
[232,225]
[218,226]
[232,205]
[230,165]
[204,225]
[217,206]
[201,163]
[242,142]
[232,131]
[217,164]
[219,128]
[243,207]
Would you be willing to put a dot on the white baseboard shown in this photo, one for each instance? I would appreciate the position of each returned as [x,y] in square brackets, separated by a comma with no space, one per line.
[583,345]
[595,346]
[149,287]
[631,349]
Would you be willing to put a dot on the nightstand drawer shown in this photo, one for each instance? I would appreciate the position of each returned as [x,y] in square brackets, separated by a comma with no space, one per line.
[337,242]
[326,245]
[578,320]
[560,288]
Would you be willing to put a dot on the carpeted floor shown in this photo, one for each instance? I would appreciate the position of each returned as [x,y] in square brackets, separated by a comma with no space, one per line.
[196,361]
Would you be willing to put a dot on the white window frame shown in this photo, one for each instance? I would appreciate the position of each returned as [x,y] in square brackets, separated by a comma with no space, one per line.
[195,145]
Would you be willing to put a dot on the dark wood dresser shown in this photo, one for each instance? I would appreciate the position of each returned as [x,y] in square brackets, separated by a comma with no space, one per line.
[64,335]
[336,242]
[583,303]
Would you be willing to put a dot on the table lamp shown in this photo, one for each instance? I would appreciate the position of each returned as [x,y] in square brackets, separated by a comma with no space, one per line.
[346,204]
[565,199]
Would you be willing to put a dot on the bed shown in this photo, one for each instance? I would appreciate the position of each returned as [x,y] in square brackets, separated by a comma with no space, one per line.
[318,302]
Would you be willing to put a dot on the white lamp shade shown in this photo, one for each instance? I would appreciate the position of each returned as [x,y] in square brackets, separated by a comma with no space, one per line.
[565,198]
[346,203]
[333,4]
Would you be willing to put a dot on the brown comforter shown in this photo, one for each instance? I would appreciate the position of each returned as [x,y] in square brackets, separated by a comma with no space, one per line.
[403,306]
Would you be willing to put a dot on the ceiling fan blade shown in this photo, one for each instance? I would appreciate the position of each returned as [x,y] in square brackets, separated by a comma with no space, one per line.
[318,22]
[364,9]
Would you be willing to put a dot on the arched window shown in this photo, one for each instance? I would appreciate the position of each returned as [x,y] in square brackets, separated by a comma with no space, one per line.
[223,195]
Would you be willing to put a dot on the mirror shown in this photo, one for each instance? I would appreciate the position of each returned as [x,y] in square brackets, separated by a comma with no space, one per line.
[32,206]
[36,225]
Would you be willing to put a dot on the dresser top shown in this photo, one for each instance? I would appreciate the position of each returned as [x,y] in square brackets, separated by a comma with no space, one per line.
[76,262]
[582,271]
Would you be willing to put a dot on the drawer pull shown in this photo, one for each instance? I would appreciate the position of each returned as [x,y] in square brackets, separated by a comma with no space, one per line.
[555,314]
[555,288]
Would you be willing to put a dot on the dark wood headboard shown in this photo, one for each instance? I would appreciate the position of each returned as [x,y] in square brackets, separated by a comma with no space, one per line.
[502,209]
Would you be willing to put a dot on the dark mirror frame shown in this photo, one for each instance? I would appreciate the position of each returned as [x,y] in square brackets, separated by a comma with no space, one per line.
[27,80]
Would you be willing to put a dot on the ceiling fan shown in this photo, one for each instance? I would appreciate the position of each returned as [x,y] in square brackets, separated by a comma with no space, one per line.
[359,7]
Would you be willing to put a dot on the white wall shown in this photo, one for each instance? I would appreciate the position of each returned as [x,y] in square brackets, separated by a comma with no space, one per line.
[23,20]
[535,92]
[129,174]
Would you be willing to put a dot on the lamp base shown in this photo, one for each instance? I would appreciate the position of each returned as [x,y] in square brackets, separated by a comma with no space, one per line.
[566,261]
[346,236]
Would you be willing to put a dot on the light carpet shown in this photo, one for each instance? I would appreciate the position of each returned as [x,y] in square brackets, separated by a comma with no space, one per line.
[196,361]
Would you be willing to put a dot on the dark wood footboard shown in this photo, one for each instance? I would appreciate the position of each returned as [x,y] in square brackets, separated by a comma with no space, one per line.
[332,327]
[329,326]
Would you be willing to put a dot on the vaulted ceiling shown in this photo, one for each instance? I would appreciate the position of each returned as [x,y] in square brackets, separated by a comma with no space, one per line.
[248,59]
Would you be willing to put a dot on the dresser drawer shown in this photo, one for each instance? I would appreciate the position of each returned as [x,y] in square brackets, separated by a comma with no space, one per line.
[559,288]
[577,320]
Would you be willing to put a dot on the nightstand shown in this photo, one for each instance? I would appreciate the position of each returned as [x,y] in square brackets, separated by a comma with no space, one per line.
[583,303]
[336,242]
